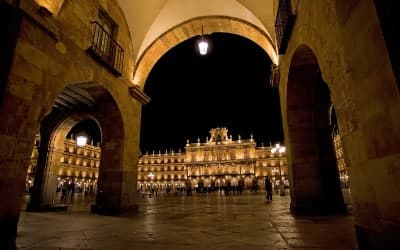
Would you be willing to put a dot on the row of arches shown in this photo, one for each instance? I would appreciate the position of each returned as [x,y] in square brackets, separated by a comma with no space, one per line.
[322,66]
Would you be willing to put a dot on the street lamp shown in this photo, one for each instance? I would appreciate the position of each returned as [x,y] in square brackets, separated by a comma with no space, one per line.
[203,43]
[81,139]
[278,149]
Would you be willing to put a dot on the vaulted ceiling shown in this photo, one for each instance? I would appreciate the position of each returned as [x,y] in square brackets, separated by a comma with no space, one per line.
[148,20]
[158,25]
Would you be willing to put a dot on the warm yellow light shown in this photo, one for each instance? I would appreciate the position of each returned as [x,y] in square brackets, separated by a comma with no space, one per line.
[53,6]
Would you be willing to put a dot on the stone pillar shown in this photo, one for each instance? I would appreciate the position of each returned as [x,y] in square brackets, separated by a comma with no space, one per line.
[117,177]
[12,180]
[50,153]
[315,186]
[35,203]
[51,178]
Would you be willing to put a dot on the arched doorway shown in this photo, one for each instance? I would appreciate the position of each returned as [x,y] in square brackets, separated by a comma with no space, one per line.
[100,107]
[59,163]
[315,186]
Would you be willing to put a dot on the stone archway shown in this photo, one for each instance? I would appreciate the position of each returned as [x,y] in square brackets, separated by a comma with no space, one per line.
[315,186]
[114,181]
[53,132]
[192,28]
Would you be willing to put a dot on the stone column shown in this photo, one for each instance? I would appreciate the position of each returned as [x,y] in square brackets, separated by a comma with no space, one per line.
[50,153]
[51,177]
[117,174]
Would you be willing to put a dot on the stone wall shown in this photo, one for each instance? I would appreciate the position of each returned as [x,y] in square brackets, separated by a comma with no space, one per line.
[347,40]
[51,54]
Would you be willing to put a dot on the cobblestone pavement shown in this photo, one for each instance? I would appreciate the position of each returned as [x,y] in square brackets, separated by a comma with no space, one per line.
[202,221]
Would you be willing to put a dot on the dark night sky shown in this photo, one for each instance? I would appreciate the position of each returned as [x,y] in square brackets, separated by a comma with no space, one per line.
[192,94]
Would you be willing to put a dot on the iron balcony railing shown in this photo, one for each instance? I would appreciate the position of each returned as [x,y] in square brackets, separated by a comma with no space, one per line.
[105,49]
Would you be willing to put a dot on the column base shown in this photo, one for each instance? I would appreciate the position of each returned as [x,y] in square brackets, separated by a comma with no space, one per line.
[387,238]
[8,232]
[105,205]
[112,210]
[317,208]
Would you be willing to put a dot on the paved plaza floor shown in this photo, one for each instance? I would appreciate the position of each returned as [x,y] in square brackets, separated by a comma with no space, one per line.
[201,221]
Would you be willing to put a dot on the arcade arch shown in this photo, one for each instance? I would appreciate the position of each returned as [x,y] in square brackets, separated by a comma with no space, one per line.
[192,28]
[53,132]
[372,138]
[315,186]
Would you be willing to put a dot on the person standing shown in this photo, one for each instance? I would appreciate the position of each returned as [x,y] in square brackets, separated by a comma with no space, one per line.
[268,189]
[63,192]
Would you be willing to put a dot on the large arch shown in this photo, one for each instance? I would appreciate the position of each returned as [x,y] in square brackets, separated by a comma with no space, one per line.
[53,132]
[366,101]
[49,56]
[193,27]
[149,21]
[315,186]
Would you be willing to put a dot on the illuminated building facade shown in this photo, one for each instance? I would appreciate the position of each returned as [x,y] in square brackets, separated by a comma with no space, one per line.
[343,172]
[215,163]
[79,165]
[32,166]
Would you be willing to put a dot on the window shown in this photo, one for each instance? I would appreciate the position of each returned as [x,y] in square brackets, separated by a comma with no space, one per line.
[103,46]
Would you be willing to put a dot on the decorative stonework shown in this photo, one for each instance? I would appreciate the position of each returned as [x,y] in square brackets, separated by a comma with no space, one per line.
[138,94]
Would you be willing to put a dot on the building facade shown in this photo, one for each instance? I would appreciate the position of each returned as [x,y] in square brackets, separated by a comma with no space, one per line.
[217,162]
[78,165]
[213,164]
[343,172]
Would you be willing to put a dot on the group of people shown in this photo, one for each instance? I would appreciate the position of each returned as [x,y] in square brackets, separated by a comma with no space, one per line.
[67,191]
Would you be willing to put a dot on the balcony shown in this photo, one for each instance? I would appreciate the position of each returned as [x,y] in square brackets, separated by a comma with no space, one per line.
[106,50]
